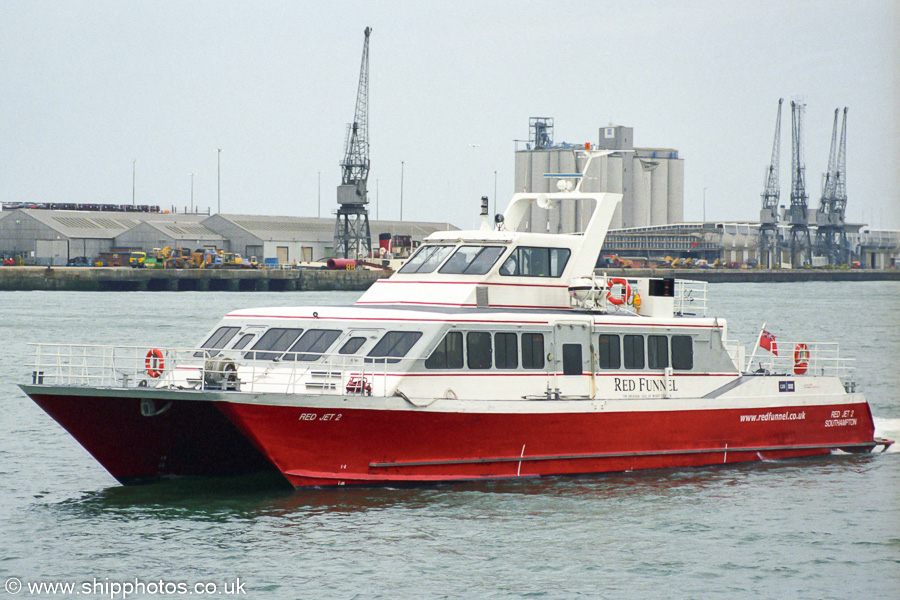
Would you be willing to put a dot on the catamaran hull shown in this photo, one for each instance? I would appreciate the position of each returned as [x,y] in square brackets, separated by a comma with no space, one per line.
[318,445]
[141,439]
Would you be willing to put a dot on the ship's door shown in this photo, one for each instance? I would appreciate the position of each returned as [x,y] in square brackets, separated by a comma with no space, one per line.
[572,358]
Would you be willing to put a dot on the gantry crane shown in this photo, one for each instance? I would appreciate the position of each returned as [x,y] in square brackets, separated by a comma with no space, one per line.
[352,237]
[768,243]
[801,246]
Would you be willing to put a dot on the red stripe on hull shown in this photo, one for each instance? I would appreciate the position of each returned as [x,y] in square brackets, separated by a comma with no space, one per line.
[314,446]
[188,438]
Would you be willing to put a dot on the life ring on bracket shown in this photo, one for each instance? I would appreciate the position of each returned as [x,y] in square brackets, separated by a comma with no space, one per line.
[618,301]
[154,363]
[801,358]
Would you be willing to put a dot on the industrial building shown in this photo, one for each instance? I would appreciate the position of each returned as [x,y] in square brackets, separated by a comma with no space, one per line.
[651,180]
[45,237]
[299,239]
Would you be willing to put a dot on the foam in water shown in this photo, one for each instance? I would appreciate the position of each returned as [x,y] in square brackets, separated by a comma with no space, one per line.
[888,428]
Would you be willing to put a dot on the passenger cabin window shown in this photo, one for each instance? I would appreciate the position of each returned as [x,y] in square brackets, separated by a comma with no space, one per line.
[528,261]
[312,344]
[394,346]
[426,259]
[657,351]
[478,350]
[273,343]
[609,352]
[218,340]
[472,260]
[506,351]
[572,359]
[532,350]
[682,353]
[634,351]
[352,345]
[448,354]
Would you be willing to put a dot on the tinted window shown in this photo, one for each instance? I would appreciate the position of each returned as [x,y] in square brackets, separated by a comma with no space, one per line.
[478,350]
[395,344]
[506,351]
[657,351]
[571,359]
[536,262]
[472,260]
[634,351]
[312,344]
[426,259]
[352,345]
[243,341]
[609,352]
[275,341]
[682,353]
[532,350]
[448,354]
[217,340]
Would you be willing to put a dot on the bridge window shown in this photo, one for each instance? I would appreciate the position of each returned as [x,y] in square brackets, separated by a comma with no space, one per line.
[506,351]
[536,262]
[448,354]
[609,352]
[312,344]
[394,345]
[657,351]
[532,350]
[634,351]
[682,353]
[426,259]
[472,260]
[243,341]
[352,345]
[218,340]
[478,349]
[275,342]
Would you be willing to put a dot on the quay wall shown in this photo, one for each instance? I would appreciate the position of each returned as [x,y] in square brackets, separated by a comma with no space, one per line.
[123,279]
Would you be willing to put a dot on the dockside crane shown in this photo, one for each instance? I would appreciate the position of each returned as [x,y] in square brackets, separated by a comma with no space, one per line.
[801,246]
[769,243]
[839,247]
[823,218]
[352,237]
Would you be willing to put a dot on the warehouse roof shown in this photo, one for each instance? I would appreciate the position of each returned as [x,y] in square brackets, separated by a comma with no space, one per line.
[100,225]
[299,228]
[180,229]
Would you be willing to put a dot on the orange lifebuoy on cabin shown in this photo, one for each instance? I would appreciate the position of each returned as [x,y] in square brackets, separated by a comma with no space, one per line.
[618,300]
[154,363]
[801,358]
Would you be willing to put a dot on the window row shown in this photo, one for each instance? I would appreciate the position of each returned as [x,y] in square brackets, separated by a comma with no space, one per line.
[614,351]
[483,350]
[293,344]
[523,261]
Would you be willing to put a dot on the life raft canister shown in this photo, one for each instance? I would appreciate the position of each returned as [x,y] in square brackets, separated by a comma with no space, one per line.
[154,363]
[801,358]
[618,300]
[359,385]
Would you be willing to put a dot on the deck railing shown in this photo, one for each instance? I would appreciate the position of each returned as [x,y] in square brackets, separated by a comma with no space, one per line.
[202,369]
[803,359]
[690,297]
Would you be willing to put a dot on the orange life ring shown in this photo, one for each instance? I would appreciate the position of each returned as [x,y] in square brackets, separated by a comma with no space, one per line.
[154,363]
[618,301]
[801,358]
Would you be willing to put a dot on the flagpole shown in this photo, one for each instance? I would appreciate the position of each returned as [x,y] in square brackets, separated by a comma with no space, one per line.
[755,347]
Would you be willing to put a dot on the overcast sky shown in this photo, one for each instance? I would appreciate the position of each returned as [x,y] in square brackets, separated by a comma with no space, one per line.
[89,86]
